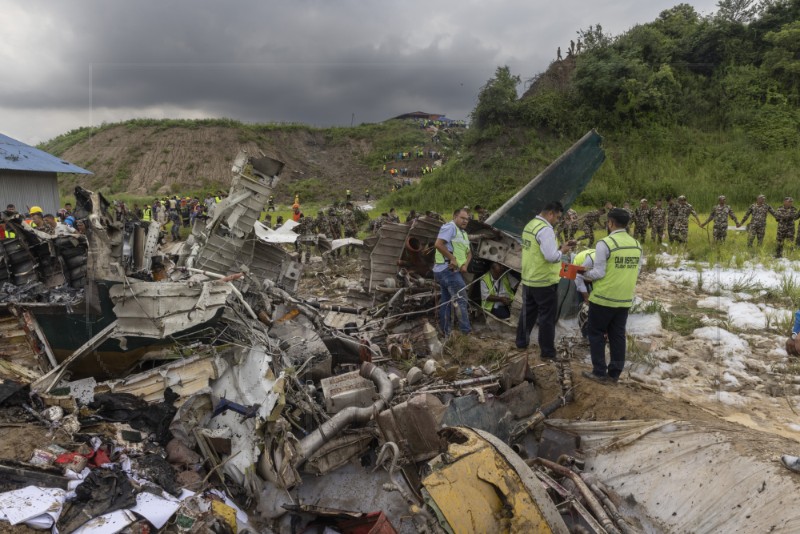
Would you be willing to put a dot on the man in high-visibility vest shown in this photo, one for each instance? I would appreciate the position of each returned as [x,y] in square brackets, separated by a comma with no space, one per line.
[617,262]
[6,232]
[452,258]
[497,291]
[541,262]
[147,213]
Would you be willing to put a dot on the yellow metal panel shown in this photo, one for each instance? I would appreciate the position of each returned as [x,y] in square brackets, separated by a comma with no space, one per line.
[480,492]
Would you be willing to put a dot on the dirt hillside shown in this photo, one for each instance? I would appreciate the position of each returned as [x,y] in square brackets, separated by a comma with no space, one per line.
[153,160]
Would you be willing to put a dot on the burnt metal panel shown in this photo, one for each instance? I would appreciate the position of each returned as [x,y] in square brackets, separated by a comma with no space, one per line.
[232,226]
[386,253]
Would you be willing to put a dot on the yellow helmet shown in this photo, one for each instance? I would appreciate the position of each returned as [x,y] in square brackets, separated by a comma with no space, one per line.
[36,209]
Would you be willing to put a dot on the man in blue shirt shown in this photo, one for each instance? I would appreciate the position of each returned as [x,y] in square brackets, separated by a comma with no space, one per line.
[452,259]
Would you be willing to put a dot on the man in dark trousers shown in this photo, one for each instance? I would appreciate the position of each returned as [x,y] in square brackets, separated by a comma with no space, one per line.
[541,262]
[617,262]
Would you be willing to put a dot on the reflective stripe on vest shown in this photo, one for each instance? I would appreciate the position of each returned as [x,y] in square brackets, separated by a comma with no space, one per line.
[536,270]
[617,287]
[489,281]
[459,245]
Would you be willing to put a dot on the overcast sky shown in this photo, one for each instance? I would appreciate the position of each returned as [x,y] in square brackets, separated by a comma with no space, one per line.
[67,64]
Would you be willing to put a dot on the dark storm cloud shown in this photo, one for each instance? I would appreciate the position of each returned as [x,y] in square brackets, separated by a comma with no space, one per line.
[302,61]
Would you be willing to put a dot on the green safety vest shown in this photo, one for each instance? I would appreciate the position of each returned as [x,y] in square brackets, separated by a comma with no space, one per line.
[489,281]
[581,256]
[536,270]
[616,288]
[460,244]
[147,214]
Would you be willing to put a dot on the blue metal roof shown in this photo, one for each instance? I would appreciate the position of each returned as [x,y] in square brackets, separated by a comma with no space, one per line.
[18,156]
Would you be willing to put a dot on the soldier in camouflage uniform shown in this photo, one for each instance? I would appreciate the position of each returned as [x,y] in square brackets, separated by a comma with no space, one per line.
[658,220]
[786,215]
[680,229]
[672,216]
[758,225]
[321,224]
[720,215]
[588,222]
[567,225]
[380,221]
[349,221]
[641,218]
[307,237]
[335,224]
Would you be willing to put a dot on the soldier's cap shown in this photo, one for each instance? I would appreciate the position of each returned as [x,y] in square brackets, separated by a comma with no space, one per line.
[790,199]
[761,196]
[643,201]
[682,197]
[721,197]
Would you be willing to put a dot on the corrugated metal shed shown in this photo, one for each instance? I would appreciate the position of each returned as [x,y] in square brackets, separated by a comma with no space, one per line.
[17,156]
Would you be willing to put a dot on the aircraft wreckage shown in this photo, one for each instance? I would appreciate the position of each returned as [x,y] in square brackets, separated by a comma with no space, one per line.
[203,375]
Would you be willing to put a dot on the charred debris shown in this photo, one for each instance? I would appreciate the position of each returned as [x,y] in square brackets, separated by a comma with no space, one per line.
[194,389]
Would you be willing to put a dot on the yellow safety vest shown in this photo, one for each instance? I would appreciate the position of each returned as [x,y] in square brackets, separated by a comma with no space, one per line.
[616,288]
[460,244]
[147,214]
[536,270]
[489,281]
[581,256]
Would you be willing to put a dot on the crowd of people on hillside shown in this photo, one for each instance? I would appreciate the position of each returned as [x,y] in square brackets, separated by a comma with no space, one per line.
[400,171]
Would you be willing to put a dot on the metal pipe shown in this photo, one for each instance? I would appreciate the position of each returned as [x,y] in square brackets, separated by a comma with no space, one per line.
[591,499]
[611,502]
[351,415]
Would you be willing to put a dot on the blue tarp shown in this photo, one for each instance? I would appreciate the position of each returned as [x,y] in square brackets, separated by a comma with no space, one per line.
[15,155]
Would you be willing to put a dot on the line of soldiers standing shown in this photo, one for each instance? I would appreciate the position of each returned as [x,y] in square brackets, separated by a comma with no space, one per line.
[674,220]
[329,224]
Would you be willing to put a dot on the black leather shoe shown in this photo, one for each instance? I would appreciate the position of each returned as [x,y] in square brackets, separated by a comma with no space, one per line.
[597,378]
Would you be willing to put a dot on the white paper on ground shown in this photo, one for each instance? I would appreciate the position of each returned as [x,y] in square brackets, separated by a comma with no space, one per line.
[156,509]
[107,523]
[30,502]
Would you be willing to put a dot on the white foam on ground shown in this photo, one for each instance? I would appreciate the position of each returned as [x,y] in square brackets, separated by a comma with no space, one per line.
[730,380]
[643,324]
[716,303]
[750,277]
[746,315]
[731,348]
